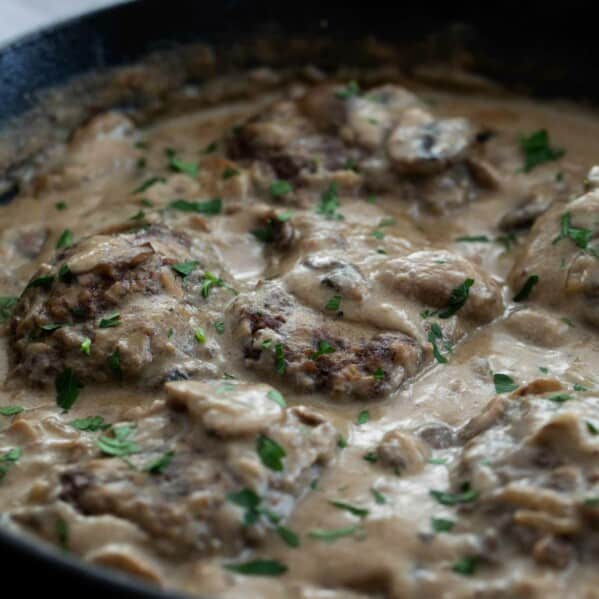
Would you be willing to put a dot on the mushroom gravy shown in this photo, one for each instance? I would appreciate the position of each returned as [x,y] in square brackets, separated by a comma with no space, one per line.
[330,341]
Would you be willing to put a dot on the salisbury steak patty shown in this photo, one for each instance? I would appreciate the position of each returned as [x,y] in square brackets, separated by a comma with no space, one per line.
[121,306]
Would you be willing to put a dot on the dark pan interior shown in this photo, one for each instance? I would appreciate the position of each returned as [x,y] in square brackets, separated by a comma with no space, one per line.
[542,48]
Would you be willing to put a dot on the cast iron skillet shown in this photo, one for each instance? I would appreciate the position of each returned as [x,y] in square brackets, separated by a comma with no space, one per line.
[535,46]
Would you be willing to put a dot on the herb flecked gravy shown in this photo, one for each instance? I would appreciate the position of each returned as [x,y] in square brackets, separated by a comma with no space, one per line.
[334,340]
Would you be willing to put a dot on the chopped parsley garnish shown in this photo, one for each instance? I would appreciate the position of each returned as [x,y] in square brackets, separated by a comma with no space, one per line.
[378,234]
[219,325]
[457,298]
[210,148]
[466,566]
[185,268]
[113,320]
[114,363]
[247,499]
[379,498]
[543,369]
[329,203]
[503,383]
[179,166]
[435,335]
[466,495]
[67,387]
[280,362]
[580,236]
[526,288]
[45,282]
[8,459]
[592,501]
[371,199]
[328,536]
[473,239]
[437,461]
[536,149]
[279,188]
[230,172]
[60,206]
[139,215]
[567,321]
[352,509]
[64,273]
[333,303]
[277,397]
[209,281]
[341,442]
[387,222]
[86,346]
[270,452]
[200,335]
[258,567]
[62,532]
[51,326]
[148,183]
[593,429]
[323,348]
[90,424]
[65,240]
[579,387]
[209,207]
[363,417]
[442,524]
[7,305]
[378,374]
[11,410]
[288,536]
[120,444]
[560,398]
[159,465]
[351,90]
[147,203]
[371,457]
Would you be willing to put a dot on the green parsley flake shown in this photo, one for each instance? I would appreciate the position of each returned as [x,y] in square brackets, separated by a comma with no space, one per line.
[67,387]
[209,281]
[503,383]
[159,465]
[85,346]
[8,459]
[45,282]
[219,325]
[65,240]
[526,288]
[113,320]
[351,90]
[230,172]
[363,417]
[378,374]
[329,203]
[352,509]
[279,189]
[592,428]
[90,424]
[258,567]
[379,498]
[466,495]
[119,445]
[60,206]
[580,236]
[148,183]
[442,524]
[331,535]
[560,398]
[62,533]
[323,348]
[280,362]
[7,305]
[435,335]
[536,149]
[473,239]
[270,452]
[179,166]
[209,207]
[200,335]
[333,303]
[277,397]
[11,410]
[114,363]
[466,566]
[457,298]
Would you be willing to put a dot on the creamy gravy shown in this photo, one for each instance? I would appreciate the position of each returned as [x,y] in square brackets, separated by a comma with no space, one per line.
[392,416]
